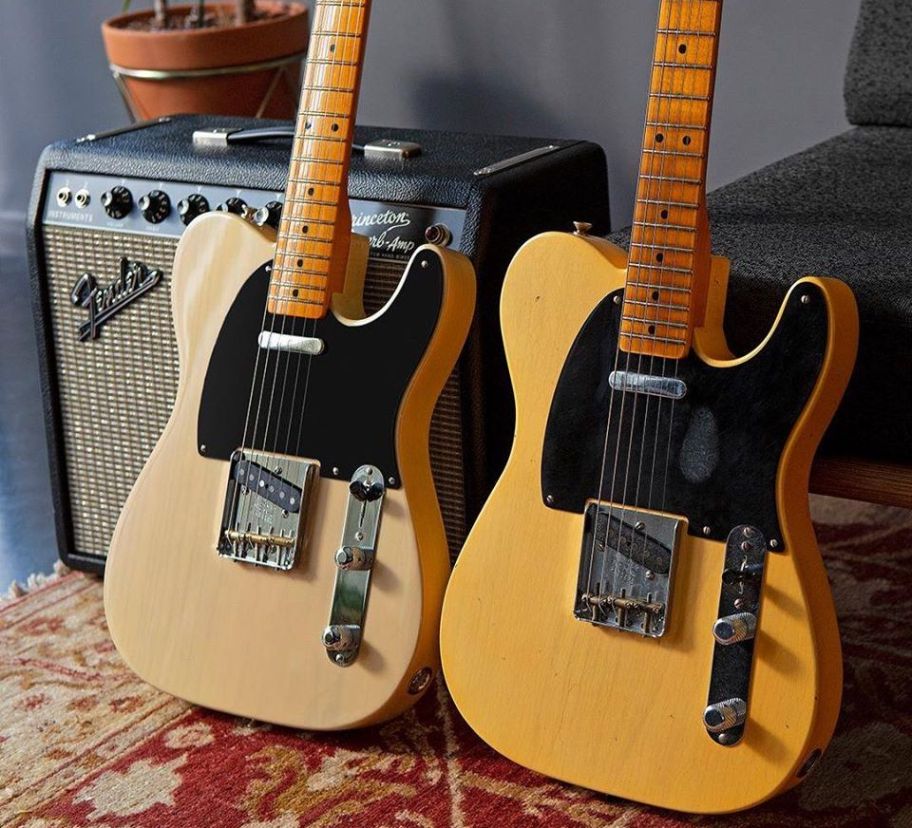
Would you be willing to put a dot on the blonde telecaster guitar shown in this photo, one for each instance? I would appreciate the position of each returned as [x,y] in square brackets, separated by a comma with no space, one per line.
[282,555]
[641,607]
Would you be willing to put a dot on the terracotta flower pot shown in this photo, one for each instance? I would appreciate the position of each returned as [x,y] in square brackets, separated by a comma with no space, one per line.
[251,70]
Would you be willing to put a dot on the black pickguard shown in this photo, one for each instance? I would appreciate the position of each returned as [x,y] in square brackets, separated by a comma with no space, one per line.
[721,443]
[354,389]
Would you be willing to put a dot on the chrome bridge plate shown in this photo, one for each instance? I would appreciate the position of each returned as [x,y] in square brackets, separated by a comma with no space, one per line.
[626,569]
[355,561]
[266,508]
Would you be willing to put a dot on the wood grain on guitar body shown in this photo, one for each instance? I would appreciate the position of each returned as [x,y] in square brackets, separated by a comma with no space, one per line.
[282,555]
[653,516]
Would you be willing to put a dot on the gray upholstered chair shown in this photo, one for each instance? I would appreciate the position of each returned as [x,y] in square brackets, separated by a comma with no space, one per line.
[844,209]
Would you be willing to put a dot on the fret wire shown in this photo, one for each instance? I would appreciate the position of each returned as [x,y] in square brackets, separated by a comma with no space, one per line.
[660,287]
[672,125]
[680,96]
[293,200]
[314,61]
[671,178]
[674,152]
[678,64]
[646,321]
[682,228]
[289,300]
[660,305]
[319,182]
[688,204]
[317,160]
[686,32]
[652,338]
[663,248]
[300,271]
[302,255]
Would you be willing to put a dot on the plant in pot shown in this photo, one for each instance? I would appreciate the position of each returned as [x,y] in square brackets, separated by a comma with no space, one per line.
[223,58]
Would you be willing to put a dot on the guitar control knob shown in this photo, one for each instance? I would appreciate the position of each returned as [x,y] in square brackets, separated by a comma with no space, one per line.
[155,206]
[733,629]
[355,559]
[725,715]
[269,216]
[191,207]
[117,202]
[338,637]
[234,205]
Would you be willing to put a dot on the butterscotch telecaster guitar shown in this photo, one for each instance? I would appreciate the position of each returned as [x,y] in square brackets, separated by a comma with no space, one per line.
[642,608]
[282,555]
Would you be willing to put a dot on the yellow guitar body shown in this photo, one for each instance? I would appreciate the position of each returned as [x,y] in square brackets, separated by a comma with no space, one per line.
[242,638]
[613,711]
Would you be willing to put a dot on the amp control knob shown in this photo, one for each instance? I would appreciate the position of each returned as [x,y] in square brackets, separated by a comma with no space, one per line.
[234,205]
[733,629]
[155,206]
[269,216]
[117,202]
[725,715]
[191,207]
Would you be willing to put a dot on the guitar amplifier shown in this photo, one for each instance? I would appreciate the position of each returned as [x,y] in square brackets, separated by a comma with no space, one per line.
[108,211]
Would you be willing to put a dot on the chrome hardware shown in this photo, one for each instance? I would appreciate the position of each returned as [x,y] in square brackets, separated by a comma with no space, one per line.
[581,228]
[82,199]
[734,633]
[269,215]
[355,559]
[389,148]
[626,567]
[516,160]
[64,196]
[271,341]
[733,629]
[266,509]
[725,715]
[420,681]
[667,387]
[439,234]
[337,638]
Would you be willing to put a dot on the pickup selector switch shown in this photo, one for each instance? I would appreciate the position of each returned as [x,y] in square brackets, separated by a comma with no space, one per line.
[234,205]
[117,202]
[155,206]
[191,207]
[733,629]
[269,215]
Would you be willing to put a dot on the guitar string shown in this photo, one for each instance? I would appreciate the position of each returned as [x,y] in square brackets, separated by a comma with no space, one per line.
[677,191]
[632,267]
[359,50]
[320,168]
[281,253]
[717,22]
[624,562]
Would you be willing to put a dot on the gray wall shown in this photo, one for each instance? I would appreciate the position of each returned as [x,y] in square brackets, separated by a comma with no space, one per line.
[577,68]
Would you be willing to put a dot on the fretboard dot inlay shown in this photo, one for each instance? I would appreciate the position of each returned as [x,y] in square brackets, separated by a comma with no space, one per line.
[305,229]
[686,140]
[310,191]
[335,127]
[660,257]
[683,48]
[655,296]
[659,138]
[664,214]
[300,262]
[652,329]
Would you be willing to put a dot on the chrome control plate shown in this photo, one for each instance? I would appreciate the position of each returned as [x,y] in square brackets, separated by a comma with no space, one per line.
[354,561]
[626,569]
[265,511]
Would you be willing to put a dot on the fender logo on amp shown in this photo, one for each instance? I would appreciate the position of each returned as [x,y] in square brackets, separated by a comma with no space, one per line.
[103,303]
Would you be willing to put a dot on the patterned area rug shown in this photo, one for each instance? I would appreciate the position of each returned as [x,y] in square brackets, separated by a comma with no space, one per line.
[85,743]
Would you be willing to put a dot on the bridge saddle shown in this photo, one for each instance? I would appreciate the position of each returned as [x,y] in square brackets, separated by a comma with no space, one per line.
[626,568]
[265,508]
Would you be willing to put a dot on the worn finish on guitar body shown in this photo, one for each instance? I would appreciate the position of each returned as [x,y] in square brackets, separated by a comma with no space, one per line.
[244,638]
[602,708]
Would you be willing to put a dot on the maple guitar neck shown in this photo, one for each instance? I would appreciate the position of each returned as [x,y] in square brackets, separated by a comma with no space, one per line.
[669,246]
[315,232]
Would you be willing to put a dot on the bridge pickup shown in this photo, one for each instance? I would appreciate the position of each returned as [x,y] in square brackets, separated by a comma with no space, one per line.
[266,484]
[265,510]
[307,345]
[626,567]
[668,387]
